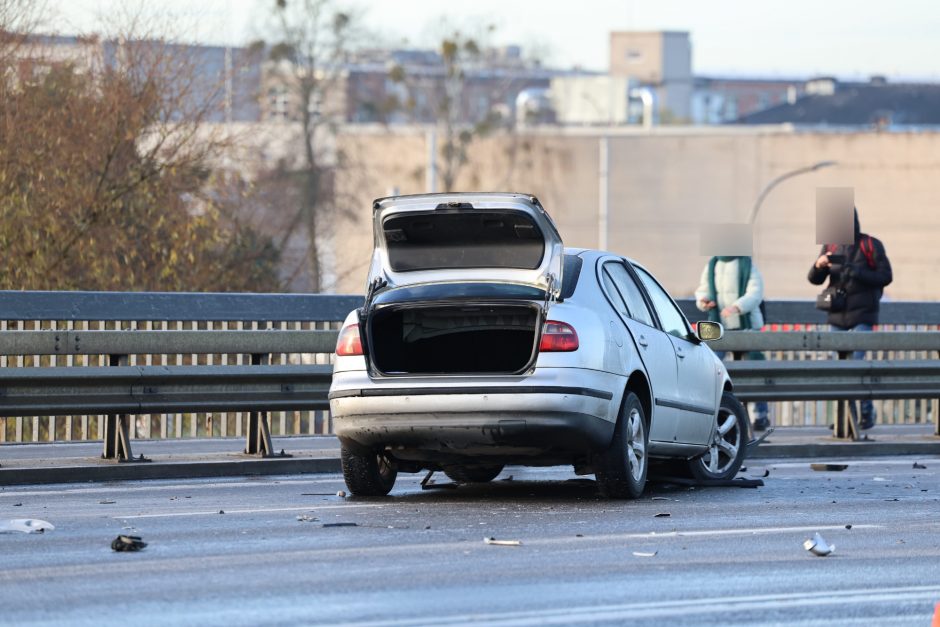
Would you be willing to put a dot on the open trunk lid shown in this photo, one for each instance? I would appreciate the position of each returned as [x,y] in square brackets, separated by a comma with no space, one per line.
[460,238]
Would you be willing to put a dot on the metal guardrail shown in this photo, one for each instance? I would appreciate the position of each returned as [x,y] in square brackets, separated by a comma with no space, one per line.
[165,342]
[119,389]
[905,341]
[899,313]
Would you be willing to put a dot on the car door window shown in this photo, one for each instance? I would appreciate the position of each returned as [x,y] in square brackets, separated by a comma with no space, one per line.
[669,315]
[613,293]
[630,292]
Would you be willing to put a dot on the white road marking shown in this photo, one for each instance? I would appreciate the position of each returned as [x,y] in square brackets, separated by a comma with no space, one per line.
[260,510]
[675,609]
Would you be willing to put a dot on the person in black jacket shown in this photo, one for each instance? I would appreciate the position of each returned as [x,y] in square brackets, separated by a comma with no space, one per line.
[862,270]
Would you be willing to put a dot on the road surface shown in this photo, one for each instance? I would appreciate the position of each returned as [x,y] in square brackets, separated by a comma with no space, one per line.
[722,556]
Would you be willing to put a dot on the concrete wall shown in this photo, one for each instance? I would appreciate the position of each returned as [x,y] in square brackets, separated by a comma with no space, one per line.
[664,186]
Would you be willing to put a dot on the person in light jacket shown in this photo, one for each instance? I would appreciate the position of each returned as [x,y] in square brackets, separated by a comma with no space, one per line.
[731,291]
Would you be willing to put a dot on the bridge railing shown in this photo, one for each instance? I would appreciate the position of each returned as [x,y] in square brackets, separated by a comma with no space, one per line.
[104,329]
[139,349]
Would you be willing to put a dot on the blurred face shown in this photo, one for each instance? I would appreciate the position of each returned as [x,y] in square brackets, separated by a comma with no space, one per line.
[835,219]
[732,240]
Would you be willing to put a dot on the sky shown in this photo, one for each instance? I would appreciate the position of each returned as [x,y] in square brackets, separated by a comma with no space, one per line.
[773,38]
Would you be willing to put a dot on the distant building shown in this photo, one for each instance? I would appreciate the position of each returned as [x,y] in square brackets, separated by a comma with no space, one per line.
[222,83]
[877,103]
[721,100]
[660,60]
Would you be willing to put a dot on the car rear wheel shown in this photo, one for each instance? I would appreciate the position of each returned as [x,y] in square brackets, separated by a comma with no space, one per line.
[621,469]
[473,474]
[728,445]
[369,474]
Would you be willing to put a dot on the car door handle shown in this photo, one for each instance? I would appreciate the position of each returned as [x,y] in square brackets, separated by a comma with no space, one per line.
[642,341]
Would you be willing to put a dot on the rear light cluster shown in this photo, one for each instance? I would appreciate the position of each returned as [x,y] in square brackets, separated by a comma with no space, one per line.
[558,337]
[349,342]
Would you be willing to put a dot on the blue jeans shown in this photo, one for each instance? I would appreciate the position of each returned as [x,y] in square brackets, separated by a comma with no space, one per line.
[868,409]
[760,406]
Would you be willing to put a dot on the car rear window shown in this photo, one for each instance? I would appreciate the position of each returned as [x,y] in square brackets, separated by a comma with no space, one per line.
[463,239]
[570,274]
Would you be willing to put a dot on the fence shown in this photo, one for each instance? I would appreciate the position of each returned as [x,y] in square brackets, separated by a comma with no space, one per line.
[171,331]
[233,334]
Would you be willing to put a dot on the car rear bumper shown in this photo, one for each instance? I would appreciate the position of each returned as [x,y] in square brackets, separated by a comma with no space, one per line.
[527,417]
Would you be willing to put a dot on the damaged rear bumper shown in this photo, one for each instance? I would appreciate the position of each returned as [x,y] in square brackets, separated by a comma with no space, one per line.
[524,420]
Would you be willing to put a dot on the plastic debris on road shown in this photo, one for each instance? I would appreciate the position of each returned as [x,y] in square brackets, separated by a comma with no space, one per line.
[818,546]
[123,544]
[495,542]
[662,515]
[919,466]
[307,518]
[25,525]
[644,554]
[829,467]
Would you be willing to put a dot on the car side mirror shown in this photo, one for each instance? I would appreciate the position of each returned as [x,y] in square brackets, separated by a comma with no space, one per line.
[707,331]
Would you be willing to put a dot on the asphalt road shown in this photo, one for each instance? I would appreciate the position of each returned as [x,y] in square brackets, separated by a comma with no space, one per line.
[723,556]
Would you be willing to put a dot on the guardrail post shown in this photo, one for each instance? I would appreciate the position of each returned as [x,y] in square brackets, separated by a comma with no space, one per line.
[117,440]
[258,433]
[935,404]
[846,427]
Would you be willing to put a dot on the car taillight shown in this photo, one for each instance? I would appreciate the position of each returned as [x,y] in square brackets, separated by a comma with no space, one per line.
[558,337]
[349,342]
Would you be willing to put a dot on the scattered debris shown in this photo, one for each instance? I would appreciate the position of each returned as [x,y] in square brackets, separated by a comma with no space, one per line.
[829,467]
[495,542]
[642,554]
[17,505]
[662,515]
[879,479]
[341,494]
[919,466]
[662,498]
[428,484]
[848,526]
[340,524]
[766,472]
[739,482]
[892,500]
[426,527]
[106,502]
[221,511]
[818,546]
[127,543]
[26,525]
[307,518]
[742,469]
[509,478]
[579,535]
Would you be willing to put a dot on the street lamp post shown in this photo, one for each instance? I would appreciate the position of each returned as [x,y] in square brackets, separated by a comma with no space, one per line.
[782,178]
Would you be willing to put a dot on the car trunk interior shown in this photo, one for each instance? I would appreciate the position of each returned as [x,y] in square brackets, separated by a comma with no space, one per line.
[454,339]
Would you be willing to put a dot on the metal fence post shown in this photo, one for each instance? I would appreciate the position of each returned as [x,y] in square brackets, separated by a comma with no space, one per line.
[846,427]
[258,433]
[117,441]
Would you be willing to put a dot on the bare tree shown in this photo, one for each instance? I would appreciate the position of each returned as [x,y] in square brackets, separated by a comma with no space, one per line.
[306,72]
[106,178]
[453,98]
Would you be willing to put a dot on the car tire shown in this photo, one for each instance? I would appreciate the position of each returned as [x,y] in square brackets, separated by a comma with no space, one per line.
[473,474]
[370,474]
[621,470]
[728,446]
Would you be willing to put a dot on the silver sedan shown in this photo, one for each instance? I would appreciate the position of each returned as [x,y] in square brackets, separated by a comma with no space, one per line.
[484,342]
